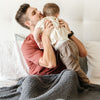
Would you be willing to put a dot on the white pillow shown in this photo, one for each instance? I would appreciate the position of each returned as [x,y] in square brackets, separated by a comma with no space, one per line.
[10,64]
[19,40]
[93,60]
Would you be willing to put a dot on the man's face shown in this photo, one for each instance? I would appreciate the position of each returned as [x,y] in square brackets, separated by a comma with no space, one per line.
[34,15]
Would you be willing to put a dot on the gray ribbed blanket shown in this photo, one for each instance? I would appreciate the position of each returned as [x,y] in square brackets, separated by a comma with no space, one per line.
[63,86]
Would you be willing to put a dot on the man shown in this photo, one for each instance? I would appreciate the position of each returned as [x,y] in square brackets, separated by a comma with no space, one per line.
[41,62]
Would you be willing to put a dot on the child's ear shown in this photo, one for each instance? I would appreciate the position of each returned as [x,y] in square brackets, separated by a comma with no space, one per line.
[57,15]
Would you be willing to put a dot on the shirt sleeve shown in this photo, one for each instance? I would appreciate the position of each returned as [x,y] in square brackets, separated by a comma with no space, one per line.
[31,52]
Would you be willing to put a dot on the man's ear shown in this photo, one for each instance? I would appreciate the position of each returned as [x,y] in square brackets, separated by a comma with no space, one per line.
[28,23]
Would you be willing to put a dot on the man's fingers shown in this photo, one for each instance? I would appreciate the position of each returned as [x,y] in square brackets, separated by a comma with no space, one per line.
[51,27]
[47,23]
[61,22]
[62,25]
[60,19]
[48,27]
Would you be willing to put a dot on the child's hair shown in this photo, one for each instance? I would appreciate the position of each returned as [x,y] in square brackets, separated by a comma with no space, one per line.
[51,9]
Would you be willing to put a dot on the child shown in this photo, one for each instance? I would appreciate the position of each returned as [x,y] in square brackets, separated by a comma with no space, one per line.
[68,50]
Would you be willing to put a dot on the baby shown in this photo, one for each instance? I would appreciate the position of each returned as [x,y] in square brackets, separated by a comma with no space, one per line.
[67,49]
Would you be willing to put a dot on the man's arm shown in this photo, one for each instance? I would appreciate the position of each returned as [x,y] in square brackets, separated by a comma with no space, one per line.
[82,49]
[48,59]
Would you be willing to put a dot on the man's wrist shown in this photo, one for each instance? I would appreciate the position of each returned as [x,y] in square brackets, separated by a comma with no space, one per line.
[69,35]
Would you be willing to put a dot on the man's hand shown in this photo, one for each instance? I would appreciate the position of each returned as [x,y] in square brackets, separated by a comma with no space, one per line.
[64,24]
[81,47]
[48,59]
[48,27]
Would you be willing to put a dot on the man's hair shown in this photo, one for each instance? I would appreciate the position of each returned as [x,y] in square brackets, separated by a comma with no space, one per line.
[20,15]
[50,9]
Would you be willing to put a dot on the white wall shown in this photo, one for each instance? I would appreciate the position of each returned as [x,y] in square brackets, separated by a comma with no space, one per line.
[83,17]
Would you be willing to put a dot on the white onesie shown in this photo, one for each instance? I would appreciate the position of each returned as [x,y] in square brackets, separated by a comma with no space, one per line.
[58,35]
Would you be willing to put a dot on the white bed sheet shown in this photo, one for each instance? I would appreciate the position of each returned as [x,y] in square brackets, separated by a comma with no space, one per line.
[7,83]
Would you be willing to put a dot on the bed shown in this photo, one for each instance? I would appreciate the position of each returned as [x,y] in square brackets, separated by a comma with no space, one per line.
[83,18]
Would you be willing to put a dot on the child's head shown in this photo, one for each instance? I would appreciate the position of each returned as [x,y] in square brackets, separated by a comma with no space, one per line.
[51,9]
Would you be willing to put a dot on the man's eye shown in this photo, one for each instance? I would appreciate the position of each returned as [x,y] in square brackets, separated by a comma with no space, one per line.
[33,13]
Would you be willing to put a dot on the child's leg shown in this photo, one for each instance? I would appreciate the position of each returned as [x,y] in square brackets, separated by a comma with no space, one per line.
[69,55]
